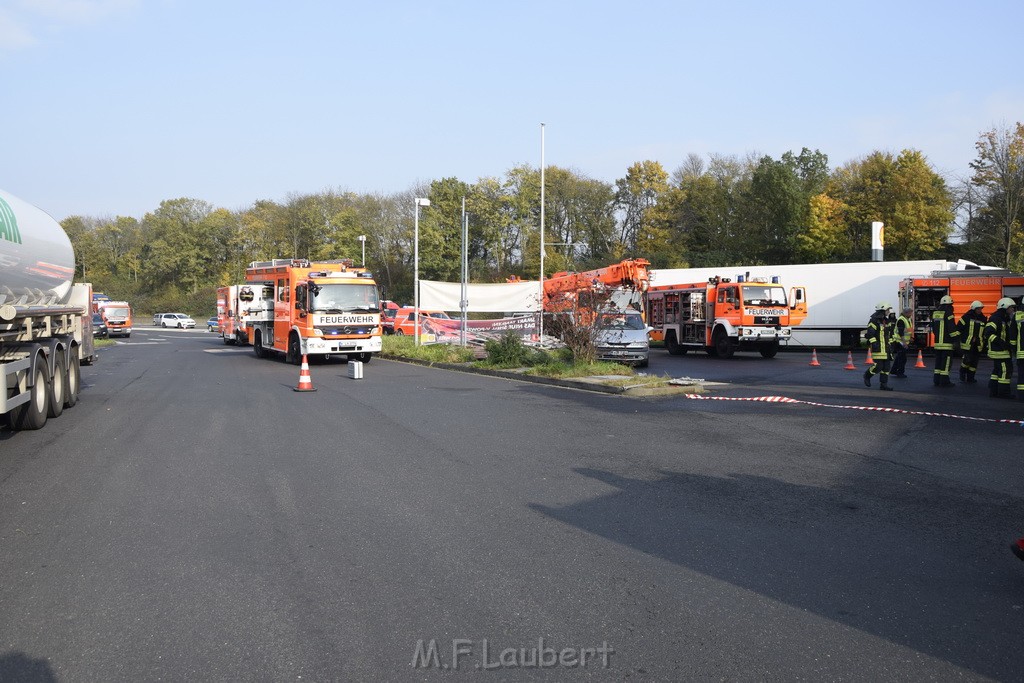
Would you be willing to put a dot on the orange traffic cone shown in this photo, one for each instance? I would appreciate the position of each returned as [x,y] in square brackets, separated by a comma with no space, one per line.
[814,358]
[870,360]
[849,361]
[305,381]
[920,360]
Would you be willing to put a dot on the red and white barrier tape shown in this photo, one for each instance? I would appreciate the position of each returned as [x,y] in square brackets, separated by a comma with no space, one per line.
[786,399]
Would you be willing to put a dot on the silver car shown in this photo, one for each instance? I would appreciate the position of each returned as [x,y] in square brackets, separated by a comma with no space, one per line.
[622,337]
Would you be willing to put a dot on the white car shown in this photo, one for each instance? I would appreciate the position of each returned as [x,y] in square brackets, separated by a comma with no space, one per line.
[179,320]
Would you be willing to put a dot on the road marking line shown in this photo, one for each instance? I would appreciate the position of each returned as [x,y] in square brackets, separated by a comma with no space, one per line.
[786,399]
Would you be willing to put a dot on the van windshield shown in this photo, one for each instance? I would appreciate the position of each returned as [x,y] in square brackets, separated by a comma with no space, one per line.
[764,295]
[339,298]
[621,321]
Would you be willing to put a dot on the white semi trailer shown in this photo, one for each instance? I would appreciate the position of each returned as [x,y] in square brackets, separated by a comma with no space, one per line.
[45,325]
[841,296]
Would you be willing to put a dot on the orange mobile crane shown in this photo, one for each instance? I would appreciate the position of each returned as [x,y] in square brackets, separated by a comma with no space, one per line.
[627,282]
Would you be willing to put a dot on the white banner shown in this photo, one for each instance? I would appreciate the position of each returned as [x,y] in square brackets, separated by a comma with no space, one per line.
[483,298]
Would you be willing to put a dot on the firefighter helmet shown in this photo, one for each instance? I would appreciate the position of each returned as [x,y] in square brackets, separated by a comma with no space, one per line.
[977,304]
[1006,302]
[882,306]
[946,300]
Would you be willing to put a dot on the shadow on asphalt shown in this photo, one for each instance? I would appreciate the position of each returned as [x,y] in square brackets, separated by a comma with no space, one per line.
[910,564]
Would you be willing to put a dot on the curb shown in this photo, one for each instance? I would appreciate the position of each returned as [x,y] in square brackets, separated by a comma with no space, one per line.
[547,381]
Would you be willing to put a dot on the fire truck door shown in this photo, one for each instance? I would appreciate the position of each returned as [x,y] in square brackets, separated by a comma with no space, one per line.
[797,305]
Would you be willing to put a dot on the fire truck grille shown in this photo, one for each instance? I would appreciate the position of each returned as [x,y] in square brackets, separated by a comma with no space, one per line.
[349,330]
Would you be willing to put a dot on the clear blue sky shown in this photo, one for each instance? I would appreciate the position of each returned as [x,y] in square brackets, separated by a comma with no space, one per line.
[108,107]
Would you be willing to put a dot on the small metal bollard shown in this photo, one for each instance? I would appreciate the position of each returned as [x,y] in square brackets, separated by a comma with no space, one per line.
[355,369]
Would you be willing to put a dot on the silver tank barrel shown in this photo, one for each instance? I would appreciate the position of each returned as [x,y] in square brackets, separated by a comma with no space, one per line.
[37,261]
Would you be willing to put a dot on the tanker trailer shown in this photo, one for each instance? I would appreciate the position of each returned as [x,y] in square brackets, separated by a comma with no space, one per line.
[45,322]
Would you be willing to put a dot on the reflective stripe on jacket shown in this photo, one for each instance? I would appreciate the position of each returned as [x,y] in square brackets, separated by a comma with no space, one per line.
[944,328]
[880,334]
[905,329]
[972,327]
[998,335]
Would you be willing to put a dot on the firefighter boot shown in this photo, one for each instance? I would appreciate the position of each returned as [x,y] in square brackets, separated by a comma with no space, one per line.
[867,378]
[970,377]
[1004,391]
[883,383]
[944,381]
[993,388]
[963,374]
[935,379]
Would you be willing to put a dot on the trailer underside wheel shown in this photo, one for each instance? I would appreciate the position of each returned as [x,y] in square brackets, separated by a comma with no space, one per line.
[58,386]
[32,415]
[74,380]
[723,347]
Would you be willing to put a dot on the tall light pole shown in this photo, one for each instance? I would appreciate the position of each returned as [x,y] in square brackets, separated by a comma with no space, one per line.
[540,337]
[362,239]
[420,201]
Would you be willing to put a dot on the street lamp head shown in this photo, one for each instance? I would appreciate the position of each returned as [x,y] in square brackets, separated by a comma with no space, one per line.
[362,238]
[422,201]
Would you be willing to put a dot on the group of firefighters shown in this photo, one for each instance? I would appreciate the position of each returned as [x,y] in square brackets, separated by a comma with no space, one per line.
[1000,336]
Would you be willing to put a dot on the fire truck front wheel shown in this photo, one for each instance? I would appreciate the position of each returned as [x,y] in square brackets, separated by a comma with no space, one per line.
[723,347]
[361,357]
[769,350]
[294,353]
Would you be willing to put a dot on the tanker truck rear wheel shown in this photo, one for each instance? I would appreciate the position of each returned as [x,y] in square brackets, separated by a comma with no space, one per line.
[32,415]
[58,386]
[74,380]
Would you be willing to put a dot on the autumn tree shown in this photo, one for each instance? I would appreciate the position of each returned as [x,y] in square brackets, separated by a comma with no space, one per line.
[904,193]
[999,175]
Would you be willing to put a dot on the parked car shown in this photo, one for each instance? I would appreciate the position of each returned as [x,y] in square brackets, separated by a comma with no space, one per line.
[212,325]
[405,319]
[179,320]
[99,326]
[622,337]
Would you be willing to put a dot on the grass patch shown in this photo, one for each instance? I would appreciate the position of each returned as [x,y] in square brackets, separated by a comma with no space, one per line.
[561,368]
[401,345]
[103,343]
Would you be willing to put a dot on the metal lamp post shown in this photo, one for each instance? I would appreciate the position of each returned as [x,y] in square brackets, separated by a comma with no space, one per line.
[420,201]
[362,240]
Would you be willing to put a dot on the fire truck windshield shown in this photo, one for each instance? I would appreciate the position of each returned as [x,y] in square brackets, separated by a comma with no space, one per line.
[119,312]
[764,295]
[349,297]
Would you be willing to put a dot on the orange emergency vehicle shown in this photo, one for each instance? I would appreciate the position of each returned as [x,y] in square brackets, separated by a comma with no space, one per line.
[922,295]
[721,316]
[318,308]
[238,307]
[118,317]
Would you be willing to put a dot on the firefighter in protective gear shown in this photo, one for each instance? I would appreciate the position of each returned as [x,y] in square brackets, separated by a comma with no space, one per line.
[946,335]
[901,342]
[999,341]
[879,335]
[1018,345]
[972,324]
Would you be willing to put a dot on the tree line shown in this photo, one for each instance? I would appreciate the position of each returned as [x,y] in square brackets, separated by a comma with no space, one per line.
[713,211]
